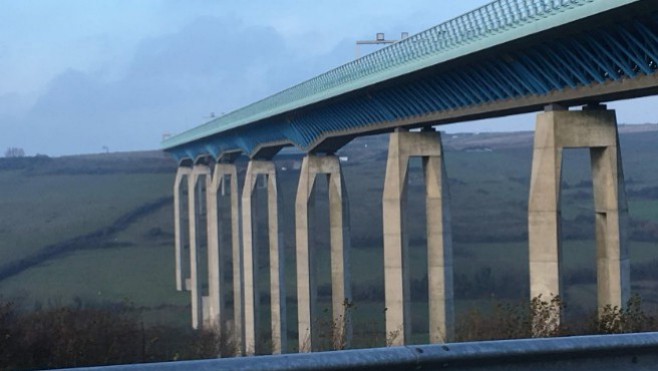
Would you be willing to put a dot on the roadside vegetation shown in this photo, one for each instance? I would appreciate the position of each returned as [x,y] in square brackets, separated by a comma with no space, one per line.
[76,336]
[93,335]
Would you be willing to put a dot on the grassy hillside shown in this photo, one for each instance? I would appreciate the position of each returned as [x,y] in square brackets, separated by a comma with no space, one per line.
[99,228]
[75,228]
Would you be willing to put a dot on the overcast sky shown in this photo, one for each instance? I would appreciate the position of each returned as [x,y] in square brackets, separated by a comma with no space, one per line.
[78,75]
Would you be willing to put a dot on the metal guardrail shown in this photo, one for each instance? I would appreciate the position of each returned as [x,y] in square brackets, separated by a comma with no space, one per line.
[488,20]
[600,352]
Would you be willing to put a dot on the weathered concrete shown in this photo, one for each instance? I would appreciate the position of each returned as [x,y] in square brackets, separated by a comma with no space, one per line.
[208,321]
[250,255]
[402,146]
[217,252]
[312,166]
[594,128]
[215,277]
[195,283]
[181,270]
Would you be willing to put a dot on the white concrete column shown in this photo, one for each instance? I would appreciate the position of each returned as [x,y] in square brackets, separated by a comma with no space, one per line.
[216,251]
[195,284]
[181,273]
[594,128]
[250,264]
[279,324]
[545,253]
[613,263]
[215,278]
[306,265]
[250,256]
[396,255]
[402,146]
[238,267]
[340,243]
[439,250]
[340,239]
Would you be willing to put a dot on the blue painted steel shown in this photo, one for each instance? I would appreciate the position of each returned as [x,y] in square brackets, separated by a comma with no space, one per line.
[592,56]
[601,352]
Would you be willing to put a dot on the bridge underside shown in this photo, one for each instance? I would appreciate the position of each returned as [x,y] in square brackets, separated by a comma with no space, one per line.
[615,58]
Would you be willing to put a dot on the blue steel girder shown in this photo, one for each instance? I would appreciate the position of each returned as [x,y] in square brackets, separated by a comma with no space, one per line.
[527,87]
[544,63]
[534,76]
[387,100]
[615,59]
[609,52]
[505,80]
[382,109]
[545,73]
[441,100]
[559,58]
[455,90]
[638,59]
[436,85]
[601,63]
[499,91]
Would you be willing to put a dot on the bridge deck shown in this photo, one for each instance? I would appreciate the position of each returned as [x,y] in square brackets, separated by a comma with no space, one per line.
[417,80]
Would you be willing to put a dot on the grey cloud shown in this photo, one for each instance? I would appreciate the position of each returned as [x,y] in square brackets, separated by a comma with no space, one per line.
[173,81]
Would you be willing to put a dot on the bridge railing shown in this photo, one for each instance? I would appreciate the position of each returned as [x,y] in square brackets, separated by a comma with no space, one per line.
[599,352]
[489,19]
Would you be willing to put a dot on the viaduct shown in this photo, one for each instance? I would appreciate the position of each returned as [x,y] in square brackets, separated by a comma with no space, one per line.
[561,58]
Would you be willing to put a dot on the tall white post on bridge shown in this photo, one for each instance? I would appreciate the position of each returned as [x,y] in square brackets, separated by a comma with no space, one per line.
[182,271]
[595,128]
[402,146]
[193,191]
[341,292]
[223,173]
[250,255]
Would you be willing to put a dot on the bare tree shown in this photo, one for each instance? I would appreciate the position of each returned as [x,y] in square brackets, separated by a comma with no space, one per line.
[14,152]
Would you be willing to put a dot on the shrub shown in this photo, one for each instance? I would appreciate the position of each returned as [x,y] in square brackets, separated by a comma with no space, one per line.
[79,335]
[631,318]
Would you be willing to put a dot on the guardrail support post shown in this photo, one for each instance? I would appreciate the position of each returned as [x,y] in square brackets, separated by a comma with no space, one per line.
[402,146]
[594,128]
[341,292]
[250,255]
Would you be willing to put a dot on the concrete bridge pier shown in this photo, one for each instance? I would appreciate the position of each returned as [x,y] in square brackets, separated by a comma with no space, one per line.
[250,256]
[182,271]
[594,127]
[217,249]
[312,166]
[194,209]
[402,146]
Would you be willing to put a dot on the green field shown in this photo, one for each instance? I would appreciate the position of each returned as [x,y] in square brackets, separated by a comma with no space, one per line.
[48,208]
[51,203]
